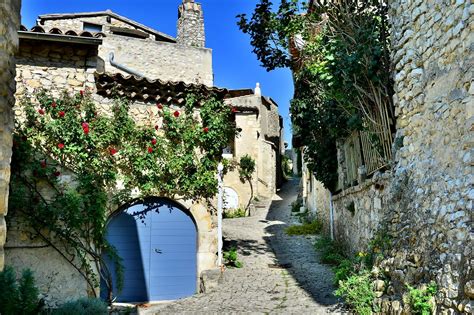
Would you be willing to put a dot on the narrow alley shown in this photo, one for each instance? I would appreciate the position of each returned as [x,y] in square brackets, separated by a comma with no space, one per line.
[280,274]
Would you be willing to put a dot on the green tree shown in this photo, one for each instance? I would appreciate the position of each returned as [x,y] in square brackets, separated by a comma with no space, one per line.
[246,170]
[341,64]
[28,293]
[9,289]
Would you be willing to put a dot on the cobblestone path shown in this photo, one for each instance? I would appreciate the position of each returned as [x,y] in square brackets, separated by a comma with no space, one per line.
[296,284]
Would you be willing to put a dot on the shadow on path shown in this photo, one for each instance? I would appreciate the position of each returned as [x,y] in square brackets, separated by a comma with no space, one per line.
[297,253]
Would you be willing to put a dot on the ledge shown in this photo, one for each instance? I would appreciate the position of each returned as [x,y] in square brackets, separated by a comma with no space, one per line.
[377,178]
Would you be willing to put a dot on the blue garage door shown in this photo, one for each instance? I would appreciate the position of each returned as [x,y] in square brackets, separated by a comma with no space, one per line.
[157,242]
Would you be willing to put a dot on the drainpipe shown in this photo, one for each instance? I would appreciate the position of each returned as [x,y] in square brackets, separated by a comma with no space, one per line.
[122,67]
[331,216]
[220,194]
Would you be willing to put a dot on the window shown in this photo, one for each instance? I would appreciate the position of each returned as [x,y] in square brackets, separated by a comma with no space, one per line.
[90,27]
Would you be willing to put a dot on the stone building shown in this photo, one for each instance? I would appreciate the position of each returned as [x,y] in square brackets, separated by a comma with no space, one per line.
[99,51]
[424,200]
[9,23]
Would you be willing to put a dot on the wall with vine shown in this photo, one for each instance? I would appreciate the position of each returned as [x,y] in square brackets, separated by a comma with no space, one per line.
[74,164]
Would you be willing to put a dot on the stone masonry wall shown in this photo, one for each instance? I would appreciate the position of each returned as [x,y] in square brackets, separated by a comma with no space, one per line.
[55,67]
[425,203]
[316,198]
[159,60]
[359,211]
[432,193]
[191,25]
[154,59]
[9,23]
[59,67]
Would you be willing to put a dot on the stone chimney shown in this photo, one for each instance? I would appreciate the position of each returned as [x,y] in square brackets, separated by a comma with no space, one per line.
[190,24]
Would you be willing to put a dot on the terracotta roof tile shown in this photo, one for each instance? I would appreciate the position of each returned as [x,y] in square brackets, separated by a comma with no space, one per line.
[57,31]
[165,92]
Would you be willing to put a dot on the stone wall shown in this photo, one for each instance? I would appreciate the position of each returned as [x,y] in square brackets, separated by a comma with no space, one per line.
[159,60]
[9,23]
[430,211]
[359,212]
[316,198]
[257,121]
[59,67]
[191,24]
[425,202]
[55,67]
[150,57]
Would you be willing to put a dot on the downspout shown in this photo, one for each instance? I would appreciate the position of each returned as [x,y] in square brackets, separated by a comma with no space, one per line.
[122,67]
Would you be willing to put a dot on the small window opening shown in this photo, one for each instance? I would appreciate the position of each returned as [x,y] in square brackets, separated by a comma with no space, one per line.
[90,27]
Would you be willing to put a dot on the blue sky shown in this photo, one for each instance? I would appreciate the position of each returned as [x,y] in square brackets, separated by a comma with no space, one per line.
[235,66]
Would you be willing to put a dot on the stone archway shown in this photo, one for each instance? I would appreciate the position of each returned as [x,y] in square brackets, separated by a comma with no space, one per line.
[157,242]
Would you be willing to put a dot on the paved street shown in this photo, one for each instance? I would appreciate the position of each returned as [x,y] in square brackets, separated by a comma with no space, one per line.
[296,284]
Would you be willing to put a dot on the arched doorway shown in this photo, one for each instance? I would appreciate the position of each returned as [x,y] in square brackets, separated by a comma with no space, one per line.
[231,199]
[157,241]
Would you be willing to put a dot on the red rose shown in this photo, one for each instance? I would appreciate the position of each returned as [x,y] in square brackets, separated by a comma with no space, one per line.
[85,127]
[159,106]
[156,127]
[41,111]
[176,114]
[81,92]
[113,151]
[234,109]
[153,141]
[150,149]
[205,129]
[61,146]
[43,164]
[53,104]
[57,173]
[62,113]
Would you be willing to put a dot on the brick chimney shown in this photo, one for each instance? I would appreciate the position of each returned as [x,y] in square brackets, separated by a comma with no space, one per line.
[190,24]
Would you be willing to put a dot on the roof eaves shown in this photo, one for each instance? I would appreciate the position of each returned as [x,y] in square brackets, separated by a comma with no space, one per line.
[148,90]
[60,38]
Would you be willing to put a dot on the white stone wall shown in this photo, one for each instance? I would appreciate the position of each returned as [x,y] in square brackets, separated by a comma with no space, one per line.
[9,23]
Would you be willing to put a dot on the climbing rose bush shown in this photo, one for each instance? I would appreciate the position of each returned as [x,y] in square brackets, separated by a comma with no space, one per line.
[73,164]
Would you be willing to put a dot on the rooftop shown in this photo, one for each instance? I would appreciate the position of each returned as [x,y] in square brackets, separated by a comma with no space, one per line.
[109,13]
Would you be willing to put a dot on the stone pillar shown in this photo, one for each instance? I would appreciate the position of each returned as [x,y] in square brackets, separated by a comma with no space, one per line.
[9,24]
[191,24]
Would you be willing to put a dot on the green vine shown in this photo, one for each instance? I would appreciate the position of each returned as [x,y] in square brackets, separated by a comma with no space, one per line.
[339,53]
[73,164]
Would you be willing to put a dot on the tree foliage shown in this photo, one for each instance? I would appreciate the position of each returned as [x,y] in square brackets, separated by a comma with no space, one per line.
[246,170]
[341,67]
[73,164]
[18,296]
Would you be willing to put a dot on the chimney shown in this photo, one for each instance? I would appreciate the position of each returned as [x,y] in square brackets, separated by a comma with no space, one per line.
[190,24]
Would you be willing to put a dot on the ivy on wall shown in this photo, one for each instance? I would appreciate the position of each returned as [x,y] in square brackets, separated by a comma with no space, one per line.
[339,54]
[73,165]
